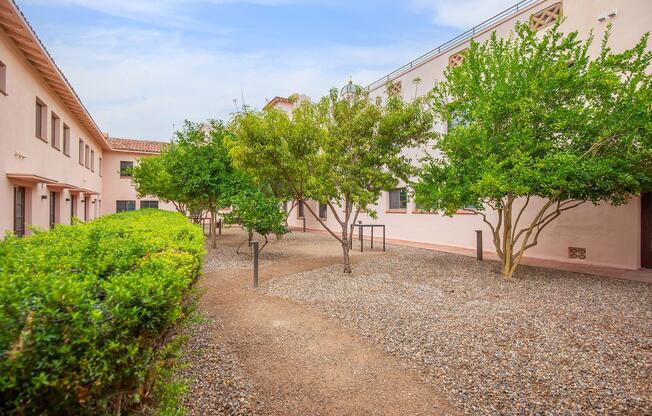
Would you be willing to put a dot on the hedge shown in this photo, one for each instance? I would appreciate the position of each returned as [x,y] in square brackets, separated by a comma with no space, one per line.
[85,309]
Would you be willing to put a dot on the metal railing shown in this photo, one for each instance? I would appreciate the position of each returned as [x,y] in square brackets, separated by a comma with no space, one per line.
[452,43]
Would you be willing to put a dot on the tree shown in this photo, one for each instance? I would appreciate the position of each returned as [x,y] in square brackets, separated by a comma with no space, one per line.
[194,171]
[256,212]
[339,152]
[151,177]
[537,128]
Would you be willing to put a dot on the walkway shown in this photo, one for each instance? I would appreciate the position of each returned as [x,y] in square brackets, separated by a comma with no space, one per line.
[299,361]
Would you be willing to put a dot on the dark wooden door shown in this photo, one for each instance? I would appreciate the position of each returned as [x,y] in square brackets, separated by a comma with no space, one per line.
[19,211]
[73,208]
[646,230]
[53,209]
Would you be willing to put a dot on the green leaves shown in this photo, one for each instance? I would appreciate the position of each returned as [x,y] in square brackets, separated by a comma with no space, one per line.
[257,212]
[540,117]
[83,308]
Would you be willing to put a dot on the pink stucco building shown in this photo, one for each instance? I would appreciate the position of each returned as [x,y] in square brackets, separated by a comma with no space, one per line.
[55,163]
[595,235]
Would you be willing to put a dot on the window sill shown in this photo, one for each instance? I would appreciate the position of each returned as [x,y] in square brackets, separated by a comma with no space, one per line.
[125,177]
[423,212]
[462,212]
[396,211]
[323,218]
[4,93]
[42,139]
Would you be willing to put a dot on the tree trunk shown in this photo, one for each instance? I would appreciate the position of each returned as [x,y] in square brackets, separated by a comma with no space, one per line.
[508,247]
[345,248]
[213,233]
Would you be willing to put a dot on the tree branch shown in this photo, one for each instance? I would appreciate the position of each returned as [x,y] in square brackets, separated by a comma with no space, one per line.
[323,224]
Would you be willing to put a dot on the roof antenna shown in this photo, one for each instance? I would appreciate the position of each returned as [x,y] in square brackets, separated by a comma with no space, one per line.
[243,101]
[235,104]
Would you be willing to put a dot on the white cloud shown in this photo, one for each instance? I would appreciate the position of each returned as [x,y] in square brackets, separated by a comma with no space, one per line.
[161,13]
[139,83]
[461,14]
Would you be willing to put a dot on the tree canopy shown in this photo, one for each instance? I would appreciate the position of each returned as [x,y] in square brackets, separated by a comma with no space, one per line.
[195,170]
[340,152]
[538,127]
[257,212]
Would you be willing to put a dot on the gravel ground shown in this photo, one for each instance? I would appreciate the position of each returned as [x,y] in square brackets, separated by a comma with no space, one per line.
[225,257]
[551,342]
[217,385]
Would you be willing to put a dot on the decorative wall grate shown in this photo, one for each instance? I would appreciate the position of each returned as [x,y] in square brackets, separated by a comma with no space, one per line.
[577,253]
[545,17]
[456,59]
[395,88]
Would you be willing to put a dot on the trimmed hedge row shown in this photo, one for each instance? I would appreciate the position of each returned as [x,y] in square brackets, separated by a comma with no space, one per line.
[85,309]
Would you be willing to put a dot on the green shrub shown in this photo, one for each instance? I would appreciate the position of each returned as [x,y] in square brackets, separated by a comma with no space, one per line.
[85,309]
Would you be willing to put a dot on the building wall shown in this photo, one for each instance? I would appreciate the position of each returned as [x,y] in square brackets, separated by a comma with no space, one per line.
[22,152]
[610,235]
[115,187]
[79,190]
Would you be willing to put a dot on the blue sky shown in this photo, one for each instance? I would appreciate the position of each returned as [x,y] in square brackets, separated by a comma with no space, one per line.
[143,66]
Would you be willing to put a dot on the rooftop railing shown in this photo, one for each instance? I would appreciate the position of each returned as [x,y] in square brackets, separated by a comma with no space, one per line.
[452,43]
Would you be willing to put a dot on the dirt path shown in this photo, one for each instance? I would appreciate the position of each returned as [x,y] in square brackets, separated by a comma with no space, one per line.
[301,362]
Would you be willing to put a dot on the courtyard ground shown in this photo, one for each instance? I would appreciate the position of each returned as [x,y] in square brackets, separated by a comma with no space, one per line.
[414,332]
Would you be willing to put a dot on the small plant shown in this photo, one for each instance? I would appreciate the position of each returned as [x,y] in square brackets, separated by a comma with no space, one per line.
[257,212]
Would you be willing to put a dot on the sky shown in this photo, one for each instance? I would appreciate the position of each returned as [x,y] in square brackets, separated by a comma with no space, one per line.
[142,67]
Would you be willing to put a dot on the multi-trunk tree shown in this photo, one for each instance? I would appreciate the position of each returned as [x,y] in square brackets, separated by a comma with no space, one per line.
[339,152]
[257,212]
[538,127]
[196,171]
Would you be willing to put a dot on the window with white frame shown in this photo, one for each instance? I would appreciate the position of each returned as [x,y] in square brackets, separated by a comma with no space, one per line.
[41,120]
[55,131]
[148,204]
[125,168]
[66,140]
[398,199]
[81,152]
[300,209]
[121,206]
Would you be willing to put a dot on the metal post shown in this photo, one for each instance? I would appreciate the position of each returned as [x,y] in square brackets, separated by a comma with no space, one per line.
[351,237]
[372,237]
[383,238]
[304,223]
[478,236]
[254,245]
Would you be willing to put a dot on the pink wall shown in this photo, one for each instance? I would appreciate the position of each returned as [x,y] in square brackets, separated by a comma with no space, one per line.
[116,188]
[611,235]
[22,152]
[40,164]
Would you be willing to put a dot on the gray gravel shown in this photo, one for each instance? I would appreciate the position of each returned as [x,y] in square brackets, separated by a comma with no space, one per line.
[551,342]
[217,384]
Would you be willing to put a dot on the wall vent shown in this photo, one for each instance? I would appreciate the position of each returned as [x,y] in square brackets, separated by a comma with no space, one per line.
[456,59]
[578,253]
[395,88]
[545,17]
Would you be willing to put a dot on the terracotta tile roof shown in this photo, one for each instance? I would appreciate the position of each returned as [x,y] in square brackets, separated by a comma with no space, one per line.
[275,100]
[135,145]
